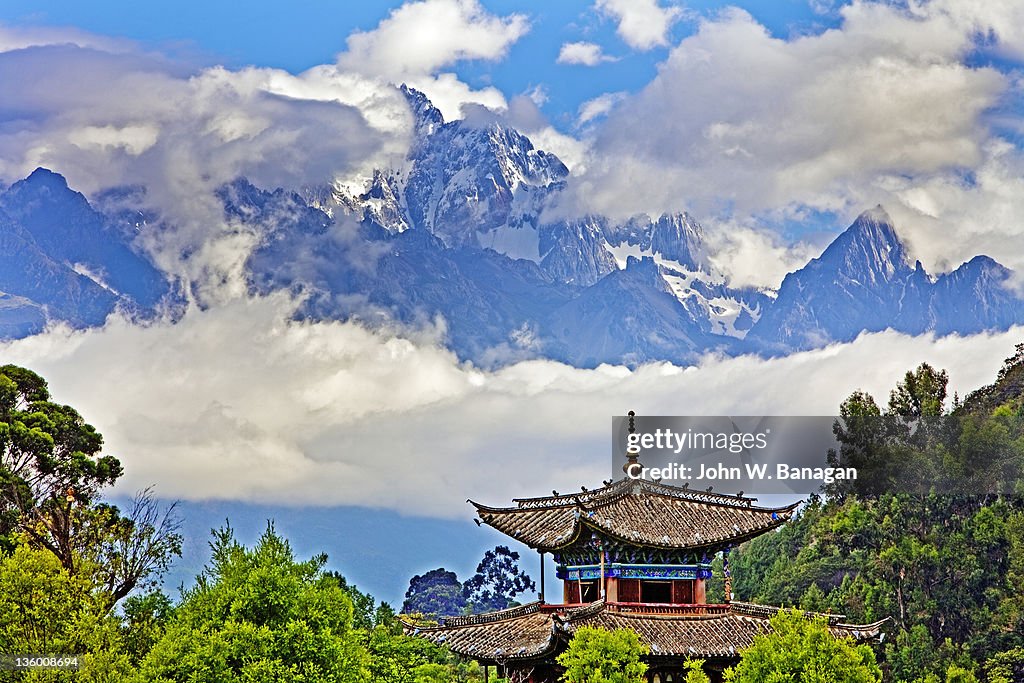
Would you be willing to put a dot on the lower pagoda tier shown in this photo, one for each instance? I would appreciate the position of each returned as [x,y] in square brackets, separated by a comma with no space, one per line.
[524,641]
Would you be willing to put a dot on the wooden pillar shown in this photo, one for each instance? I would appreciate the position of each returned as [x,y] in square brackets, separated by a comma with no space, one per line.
[603,593]
[613,589]
[728,575]
[541,577]
[699,592]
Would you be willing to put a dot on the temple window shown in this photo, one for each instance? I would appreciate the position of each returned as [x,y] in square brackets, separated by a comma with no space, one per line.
[656,591]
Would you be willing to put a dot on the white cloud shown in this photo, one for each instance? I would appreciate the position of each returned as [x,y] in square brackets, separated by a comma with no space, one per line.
[1000,22]
[948,218]
[643,24]
[587,54]
[599,106]
[751,255]
[419,39]
[26,37]
[571,151]
[236,402]
[422,37]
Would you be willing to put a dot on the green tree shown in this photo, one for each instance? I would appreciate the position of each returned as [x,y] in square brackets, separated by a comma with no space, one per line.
[922,393]
[694,669]
[599,656]
[146,616]
[497,581]
[44,609]
[51,476]
[259,615]
[436,593]
[398,658]
[363,604]
[49,464]
[800,649]
[957,674]
[1006,667]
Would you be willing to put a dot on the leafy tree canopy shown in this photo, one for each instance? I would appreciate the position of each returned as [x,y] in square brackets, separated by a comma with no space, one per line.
[802,650]
[497,581]
[596,655]
[438,593]
[694,669]
[44,609]
[49,463]
[51,476]
[259,615]
[947,569]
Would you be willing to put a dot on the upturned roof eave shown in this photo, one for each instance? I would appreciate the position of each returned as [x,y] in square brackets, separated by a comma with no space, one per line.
[561,628]
[583,521]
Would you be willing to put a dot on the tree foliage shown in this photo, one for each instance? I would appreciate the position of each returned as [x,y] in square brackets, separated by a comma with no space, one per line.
[948,569]
[437,593]
[597,655]
[45,609]
[50,464]
[694,669]
[497,581]
[51,475]
[259,615]
[802,650]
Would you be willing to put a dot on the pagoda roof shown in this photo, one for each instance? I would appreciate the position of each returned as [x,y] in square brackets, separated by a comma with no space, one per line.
[636,512]
[537,631]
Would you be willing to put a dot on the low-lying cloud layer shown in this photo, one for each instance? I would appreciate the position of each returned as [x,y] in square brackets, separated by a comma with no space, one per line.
[238,403]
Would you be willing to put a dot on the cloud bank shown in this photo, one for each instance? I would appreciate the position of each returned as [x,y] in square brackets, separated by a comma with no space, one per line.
[237,402]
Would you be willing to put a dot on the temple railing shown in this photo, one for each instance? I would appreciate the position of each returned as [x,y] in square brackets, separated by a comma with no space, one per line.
[646,608]
[666,608]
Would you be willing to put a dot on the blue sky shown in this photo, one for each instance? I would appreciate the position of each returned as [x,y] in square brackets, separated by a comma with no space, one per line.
[297,36]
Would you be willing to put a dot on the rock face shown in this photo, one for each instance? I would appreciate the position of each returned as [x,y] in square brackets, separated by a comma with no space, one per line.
[62,260]
[455,238]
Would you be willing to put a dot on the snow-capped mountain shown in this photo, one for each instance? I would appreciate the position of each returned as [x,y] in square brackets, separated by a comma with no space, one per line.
[865,281]
[453,238]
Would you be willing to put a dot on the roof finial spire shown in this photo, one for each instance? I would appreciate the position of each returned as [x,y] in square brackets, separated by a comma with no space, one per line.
[632,450]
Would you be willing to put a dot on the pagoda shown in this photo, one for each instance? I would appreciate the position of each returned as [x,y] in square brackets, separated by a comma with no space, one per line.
[634,554]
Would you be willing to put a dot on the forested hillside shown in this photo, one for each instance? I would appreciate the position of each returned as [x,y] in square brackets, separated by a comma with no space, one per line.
[946,568]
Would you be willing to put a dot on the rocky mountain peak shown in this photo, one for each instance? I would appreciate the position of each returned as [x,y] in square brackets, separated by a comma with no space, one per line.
[869,250]
[428,118]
